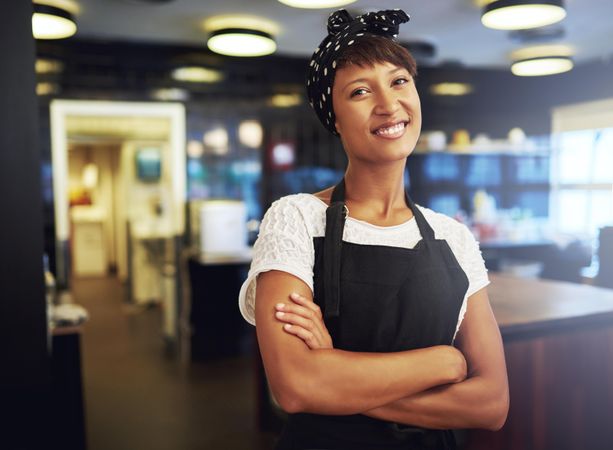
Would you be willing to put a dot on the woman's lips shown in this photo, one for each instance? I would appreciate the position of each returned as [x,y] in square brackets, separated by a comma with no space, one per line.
[392,132]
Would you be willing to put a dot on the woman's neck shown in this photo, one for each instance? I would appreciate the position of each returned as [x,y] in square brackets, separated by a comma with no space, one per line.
[379,190]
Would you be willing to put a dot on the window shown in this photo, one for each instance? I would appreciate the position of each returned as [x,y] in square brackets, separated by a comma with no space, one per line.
[582,181]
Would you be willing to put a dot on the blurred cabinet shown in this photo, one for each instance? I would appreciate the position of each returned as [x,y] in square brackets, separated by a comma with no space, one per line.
[88,241]
[217,328]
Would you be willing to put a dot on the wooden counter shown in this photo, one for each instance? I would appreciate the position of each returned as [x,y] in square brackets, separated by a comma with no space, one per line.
[533,306]
[558,340]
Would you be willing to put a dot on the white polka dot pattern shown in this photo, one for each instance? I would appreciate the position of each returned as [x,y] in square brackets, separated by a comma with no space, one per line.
[343,30]
[286,237]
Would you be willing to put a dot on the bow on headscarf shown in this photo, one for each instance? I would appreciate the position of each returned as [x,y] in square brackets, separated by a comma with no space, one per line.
[343,31]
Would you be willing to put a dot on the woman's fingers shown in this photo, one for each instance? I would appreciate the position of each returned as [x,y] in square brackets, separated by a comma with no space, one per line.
[303,301]
[308,337]
[305,321]
[307,313]
[296,319]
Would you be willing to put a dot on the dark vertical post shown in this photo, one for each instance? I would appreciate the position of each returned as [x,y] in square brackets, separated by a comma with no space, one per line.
[24,361]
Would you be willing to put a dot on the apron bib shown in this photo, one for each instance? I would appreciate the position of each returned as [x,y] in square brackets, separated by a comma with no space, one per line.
[377,298]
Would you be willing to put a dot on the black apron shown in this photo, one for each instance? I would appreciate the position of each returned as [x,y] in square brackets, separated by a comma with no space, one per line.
[393,299]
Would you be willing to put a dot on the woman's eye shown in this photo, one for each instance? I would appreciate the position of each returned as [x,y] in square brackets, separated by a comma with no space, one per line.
[401,81]
[360,91]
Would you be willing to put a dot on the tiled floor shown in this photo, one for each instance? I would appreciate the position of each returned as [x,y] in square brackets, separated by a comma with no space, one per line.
[139,398]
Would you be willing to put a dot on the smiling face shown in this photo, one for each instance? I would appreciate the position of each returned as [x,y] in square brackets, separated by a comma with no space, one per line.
[378,113]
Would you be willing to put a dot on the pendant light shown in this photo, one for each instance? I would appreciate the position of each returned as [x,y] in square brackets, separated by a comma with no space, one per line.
[52,22]
[197,74]
[546,65]
[241,35]
[316,4]
[542,60]
[522,14]
[46,66]
[454,89]
[241,42]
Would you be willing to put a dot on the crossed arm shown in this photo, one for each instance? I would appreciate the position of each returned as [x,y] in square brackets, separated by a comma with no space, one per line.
[447,387]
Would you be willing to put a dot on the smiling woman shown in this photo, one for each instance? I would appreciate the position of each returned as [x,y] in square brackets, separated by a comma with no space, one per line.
[389,92]
[373,320]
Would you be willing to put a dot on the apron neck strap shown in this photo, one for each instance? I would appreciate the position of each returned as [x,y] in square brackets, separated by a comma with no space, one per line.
[338,196]
[335,225]
[426,231]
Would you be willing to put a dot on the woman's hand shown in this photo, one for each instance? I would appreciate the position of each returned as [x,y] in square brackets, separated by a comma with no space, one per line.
[303,319]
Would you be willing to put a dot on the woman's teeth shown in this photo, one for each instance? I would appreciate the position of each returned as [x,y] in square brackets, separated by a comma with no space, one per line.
[395,129]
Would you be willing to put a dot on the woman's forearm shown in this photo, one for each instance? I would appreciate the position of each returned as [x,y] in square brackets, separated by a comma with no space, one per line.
[476,402]
[334,381]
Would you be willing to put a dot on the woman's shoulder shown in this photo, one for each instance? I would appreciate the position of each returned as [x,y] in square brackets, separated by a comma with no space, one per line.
[300,202]
[296,208]
[444,226]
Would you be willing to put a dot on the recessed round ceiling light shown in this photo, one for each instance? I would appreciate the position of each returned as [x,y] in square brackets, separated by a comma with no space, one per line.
[195,74]
[44,65]
[52,22]
[46,88]
[522,14]
[241,42]
[316,4]
[285,100]
[170,94]
[453,89]
[544,65]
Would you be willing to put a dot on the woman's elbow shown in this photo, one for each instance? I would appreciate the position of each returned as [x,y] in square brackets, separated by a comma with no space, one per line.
[290,396]
[498,412]
[289,403]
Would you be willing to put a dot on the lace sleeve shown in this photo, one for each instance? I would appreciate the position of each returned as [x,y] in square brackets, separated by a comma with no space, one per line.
[473,263]
[283,244]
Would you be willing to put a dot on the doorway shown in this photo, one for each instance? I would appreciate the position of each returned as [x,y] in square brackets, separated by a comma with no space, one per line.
[119,195]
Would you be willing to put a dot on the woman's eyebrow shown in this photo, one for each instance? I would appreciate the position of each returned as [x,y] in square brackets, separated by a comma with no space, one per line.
[362,80]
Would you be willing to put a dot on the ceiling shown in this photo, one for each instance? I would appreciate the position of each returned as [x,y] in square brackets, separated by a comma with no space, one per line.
[453,26]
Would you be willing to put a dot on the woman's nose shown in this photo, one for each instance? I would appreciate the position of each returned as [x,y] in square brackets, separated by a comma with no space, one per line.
[387,103]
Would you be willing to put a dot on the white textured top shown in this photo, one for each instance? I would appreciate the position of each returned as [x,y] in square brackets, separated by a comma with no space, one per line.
[285,243]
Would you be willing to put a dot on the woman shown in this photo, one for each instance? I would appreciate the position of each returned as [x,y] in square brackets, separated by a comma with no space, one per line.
[372,315]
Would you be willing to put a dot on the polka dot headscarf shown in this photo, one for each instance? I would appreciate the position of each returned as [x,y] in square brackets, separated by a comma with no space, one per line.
[343,31]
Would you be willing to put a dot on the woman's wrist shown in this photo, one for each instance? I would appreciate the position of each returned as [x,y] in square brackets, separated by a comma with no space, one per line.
[453,364]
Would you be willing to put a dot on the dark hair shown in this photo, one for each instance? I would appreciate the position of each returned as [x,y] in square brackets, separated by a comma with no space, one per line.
[377,49]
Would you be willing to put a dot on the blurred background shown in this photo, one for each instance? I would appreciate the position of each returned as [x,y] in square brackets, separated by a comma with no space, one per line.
[143,140]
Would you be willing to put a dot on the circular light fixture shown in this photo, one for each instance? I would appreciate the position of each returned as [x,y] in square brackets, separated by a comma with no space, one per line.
[170,94]
[241,42]
[195,74]
[44,65]
[52,22]
[285,100]
[522,14]
[46,88]
[544,65]
[452,89]
[539,60]
[316,4]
